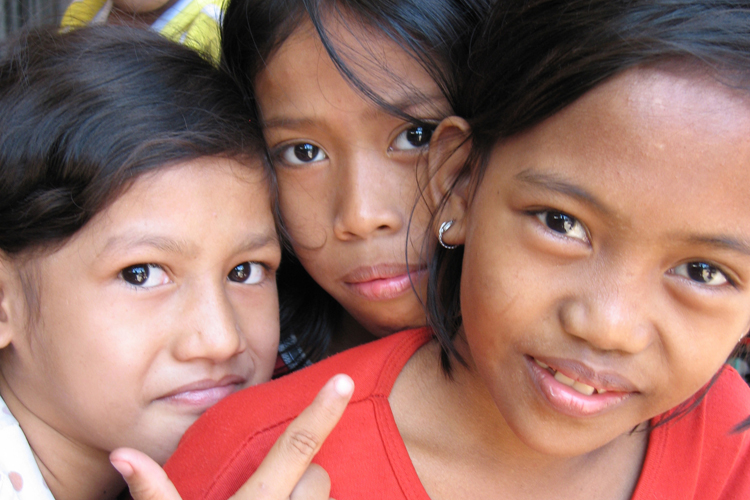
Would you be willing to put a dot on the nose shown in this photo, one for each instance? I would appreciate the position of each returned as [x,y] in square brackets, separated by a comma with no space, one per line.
[611,314]
[209,329]
[368,198]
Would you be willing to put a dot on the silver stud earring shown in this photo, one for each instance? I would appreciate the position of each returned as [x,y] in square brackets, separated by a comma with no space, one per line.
[443,228]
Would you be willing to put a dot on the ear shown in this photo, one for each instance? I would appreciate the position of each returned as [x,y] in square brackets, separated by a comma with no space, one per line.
[12,301]
[449,182]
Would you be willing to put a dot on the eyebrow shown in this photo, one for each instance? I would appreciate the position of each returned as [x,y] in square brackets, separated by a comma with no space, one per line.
[161,243]
[554,183]
[259,240]
[403,105]
[293,123]
[721,242]
[169,245]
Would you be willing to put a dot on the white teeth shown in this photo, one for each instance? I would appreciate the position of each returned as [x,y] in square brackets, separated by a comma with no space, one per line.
[583,388]
[578,386]
[564,380]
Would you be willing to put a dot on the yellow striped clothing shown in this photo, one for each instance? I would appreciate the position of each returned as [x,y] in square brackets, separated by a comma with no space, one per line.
[194,23]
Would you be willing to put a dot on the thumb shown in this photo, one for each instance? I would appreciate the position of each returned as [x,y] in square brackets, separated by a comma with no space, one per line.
[146,479]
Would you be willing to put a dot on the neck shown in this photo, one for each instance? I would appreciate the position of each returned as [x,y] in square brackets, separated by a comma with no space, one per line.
[459,442]
[71,469]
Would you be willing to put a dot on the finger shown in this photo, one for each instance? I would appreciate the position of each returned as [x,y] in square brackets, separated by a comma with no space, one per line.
[146,479]
[313,485]
[292,453]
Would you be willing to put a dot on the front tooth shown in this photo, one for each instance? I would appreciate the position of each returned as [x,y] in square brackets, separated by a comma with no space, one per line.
[541,363]
[583,388]
[564,380]
[601,391]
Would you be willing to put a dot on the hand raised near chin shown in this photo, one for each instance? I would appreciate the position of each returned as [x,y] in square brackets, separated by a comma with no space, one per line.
[285,473]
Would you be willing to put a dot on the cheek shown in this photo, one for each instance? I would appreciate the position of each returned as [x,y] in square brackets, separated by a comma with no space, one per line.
[259,323]
[419,227]
[692,354]
[487,299]
[305,210]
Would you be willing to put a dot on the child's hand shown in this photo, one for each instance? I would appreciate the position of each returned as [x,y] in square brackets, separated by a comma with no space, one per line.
[286,473]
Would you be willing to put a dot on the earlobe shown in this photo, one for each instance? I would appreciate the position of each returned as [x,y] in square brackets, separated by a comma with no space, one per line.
[449,179]
[9,296]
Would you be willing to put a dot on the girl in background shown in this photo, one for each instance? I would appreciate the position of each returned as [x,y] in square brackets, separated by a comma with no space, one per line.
[591,282]
[347,138]
[194,23]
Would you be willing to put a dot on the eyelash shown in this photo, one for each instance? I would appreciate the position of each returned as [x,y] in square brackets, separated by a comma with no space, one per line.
[265,269]
[305,150]
[699,265]
[423,132]
[704,266]
[307,153]
[564,219]
[144,272]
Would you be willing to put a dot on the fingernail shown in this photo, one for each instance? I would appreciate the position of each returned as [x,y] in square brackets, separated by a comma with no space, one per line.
[344,385]
[124,468]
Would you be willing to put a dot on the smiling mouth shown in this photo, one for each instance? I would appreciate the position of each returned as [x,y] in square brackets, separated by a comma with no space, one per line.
[585,389]
[576,398]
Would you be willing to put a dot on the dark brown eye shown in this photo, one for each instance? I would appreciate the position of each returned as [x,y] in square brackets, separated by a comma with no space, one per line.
[145,275]
[702,272]
[560,222]
[563,223]
[419,136]
[306,152]
[136,275]
[301,154]
[413,138]
[249,273]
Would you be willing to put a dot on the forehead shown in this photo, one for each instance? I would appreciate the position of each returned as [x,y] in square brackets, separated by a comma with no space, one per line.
[300,76]
[648,138]
[653,121]
[187,202]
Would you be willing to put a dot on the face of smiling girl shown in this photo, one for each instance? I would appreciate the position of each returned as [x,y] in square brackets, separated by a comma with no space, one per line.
[348,174]
[159,307]
[608,248]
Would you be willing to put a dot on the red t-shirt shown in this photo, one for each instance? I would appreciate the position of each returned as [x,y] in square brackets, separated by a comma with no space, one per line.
[693,457]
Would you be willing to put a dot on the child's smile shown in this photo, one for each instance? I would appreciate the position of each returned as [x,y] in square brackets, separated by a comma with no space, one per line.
[607,266]
[583,391]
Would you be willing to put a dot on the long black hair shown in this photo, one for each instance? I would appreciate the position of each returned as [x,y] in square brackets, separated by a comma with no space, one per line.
[532,58]
[432,32]
[82,114]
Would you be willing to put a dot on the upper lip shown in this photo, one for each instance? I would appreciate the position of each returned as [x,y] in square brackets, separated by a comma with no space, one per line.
[598,378]
[364,274]
[205,384]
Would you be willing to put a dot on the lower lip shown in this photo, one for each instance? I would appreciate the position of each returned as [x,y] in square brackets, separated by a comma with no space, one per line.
[386,288]
[567,400]
[201,399]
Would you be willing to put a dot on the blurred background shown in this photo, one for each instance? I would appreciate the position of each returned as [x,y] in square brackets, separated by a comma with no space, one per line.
[17,13]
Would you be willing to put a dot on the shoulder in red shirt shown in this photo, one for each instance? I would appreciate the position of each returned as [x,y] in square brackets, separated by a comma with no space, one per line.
[694,457]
